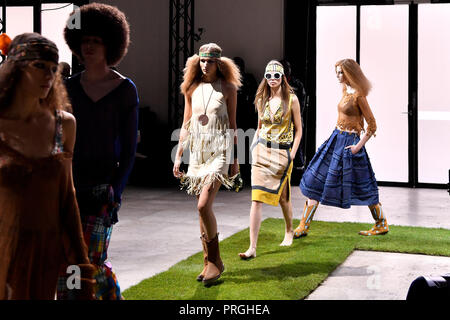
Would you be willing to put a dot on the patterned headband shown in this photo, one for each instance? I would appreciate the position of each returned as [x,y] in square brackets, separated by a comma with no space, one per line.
[209,54]
[274,67]
[36,49]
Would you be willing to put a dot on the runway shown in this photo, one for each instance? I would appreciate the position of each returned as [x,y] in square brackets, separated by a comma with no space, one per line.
[159,227]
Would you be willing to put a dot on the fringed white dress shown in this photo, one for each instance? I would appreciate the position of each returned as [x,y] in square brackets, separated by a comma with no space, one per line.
[209,143]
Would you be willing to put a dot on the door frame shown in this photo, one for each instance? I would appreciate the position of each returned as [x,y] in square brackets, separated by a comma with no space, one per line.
[306,24]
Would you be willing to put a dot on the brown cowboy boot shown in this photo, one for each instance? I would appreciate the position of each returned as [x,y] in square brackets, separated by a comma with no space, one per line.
[307,216]
[381,226]
[205,257]
[214,266]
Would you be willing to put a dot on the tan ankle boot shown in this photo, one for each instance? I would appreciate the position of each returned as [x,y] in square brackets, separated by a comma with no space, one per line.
[205,257]
[307,216]
[215,266]
[381,226]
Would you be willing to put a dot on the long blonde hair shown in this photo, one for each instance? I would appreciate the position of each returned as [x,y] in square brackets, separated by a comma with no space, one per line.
[355,76]
[226,70]
[263,92]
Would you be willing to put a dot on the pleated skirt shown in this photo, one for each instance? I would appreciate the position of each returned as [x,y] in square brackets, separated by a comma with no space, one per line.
[338,178]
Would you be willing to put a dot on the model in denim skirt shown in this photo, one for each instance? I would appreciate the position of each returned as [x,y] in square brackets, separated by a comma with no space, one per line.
[340,173]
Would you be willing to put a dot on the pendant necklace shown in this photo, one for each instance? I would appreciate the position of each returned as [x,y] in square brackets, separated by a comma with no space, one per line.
[204,118]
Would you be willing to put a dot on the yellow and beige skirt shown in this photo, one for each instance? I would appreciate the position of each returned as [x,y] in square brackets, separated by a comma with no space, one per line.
[271,171]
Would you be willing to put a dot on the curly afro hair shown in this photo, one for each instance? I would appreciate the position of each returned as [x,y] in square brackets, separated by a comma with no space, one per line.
[104,21]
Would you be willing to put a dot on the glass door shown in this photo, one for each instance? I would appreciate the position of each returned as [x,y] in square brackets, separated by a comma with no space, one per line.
[404,51]
[336,40]
[433,93]
[18,20]
[384,60]
[53,19]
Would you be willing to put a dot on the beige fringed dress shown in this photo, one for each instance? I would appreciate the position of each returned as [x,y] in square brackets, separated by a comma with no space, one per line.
[210,144]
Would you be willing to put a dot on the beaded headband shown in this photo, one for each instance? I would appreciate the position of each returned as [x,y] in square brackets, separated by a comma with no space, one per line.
[274,67]
[209,54]
[36,49]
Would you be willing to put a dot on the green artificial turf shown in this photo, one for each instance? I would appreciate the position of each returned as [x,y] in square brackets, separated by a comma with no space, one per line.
[284,272]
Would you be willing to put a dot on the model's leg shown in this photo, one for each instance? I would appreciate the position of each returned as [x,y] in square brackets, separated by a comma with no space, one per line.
[210,239]
[286,208]
[255,225]
[306,218]
[205,252]
[205,202]
[381,225]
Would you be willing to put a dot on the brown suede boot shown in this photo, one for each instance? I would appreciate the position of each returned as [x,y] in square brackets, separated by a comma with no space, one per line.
[307,216]
[381,226]
[205,257]
[214,266]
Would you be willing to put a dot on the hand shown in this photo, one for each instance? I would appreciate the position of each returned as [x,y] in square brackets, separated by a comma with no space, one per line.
[176,169]
[353,148]
[234,169]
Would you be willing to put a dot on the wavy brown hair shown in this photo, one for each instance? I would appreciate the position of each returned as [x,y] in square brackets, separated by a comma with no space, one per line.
[226,70]
[263,92]
[354,75]
[10,75]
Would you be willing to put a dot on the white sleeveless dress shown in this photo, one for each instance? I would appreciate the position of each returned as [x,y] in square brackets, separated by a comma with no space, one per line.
[210,144]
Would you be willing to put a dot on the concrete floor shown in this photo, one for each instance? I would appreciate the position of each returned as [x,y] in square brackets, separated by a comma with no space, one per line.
[159,227]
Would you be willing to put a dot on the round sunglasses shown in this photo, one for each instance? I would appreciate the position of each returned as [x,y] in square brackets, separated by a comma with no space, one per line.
[275,75]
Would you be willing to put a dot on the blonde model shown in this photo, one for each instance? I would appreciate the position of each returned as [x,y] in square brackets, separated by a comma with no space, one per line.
[273,150]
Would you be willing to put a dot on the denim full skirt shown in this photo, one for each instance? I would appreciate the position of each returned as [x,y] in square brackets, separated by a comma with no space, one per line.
[338,178]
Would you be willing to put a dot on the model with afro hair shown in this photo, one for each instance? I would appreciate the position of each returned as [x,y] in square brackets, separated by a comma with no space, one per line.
[105,104]
[104,21]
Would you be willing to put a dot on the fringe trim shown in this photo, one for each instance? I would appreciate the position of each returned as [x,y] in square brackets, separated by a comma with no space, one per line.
[213,137]
[194,185]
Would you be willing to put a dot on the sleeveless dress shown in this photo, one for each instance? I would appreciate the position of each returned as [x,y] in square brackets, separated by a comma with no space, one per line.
[210,144]
[40,227]
[271,156]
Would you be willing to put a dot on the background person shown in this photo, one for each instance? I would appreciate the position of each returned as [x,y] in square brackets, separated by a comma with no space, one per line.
[40,227]
[105,104]
[273,151]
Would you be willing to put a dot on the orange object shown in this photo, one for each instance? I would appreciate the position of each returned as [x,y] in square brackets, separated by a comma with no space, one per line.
[5,41]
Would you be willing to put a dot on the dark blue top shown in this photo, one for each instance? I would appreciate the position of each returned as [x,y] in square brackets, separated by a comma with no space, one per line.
[106,136]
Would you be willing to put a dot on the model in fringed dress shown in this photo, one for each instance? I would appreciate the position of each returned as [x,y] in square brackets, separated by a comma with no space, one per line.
[210,90]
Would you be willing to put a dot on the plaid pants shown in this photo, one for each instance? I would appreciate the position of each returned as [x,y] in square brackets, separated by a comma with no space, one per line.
[97,237]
